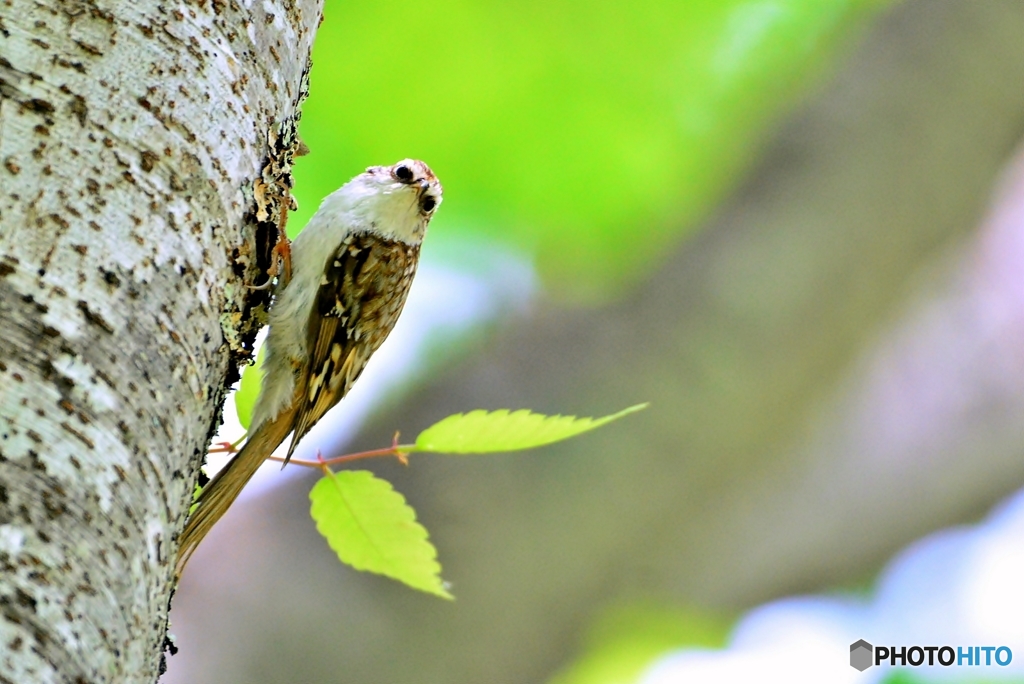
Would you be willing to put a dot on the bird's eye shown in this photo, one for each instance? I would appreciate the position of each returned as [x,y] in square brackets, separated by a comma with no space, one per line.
[404,174]
[428,204]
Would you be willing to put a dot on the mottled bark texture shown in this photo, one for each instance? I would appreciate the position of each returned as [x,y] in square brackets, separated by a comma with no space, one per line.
[130,137]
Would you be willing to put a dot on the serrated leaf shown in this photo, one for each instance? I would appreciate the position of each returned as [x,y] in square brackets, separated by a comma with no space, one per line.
[248,390]
[480,432]
[370,526]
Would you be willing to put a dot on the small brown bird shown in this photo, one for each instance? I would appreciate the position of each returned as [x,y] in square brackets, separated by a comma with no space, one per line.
[351,268]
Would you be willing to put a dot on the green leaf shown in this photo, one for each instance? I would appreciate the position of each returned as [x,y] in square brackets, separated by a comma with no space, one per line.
[625,639]
[248,390]
[195,499]
[479,432]
[371,528]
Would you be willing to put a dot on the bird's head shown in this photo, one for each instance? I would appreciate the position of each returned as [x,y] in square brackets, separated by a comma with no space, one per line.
[396,201]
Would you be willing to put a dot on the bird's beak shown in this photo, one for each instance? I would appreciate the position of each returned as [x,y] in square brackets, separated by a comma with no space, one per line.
[424,184]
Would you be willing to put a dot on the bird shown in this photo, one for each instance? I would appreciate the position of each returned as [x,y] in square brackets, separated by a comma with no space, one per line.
[350,269]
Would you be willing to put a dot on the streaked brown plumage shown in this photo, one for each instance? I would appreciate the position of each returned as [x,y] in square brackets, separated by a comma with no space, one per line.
[364,290]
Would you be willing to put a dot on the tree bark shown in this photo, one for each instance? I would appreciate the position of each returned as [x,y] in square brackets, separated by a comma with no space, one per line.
[130,136]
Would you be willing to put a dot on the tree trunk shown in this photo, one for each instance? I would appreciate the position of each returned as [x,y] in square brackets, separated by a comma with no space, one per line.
[130,137]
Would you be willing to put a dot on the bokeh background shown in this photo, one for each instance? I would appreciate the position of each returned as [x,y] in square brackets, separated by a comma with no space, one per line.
[796,227]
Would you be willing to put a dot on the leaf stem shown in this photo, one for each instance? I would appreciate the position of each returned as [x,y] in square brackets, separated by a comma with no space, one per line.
[228,447]
[399,451]
[323,465]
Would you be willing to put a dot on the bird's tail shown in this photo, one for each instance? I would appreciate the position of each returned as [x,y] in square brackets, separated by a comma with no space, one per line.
[226,485]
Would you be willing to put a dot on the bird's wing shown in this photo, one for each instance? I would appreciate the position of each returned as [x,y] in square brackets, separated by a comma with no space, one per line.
[362,292]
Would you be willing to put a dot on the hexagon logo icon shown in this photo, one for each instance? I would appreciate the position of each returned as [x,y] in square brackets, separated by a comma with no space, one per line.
[860,655]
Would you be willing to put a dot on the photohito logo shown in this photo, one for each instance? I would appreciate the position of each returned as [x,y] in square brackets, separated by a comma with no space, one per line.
[863,655]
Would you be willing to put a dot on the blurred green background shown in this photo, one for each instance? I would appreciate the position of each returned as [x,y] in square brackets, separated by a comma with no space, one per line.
[590,136]
[830,162]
